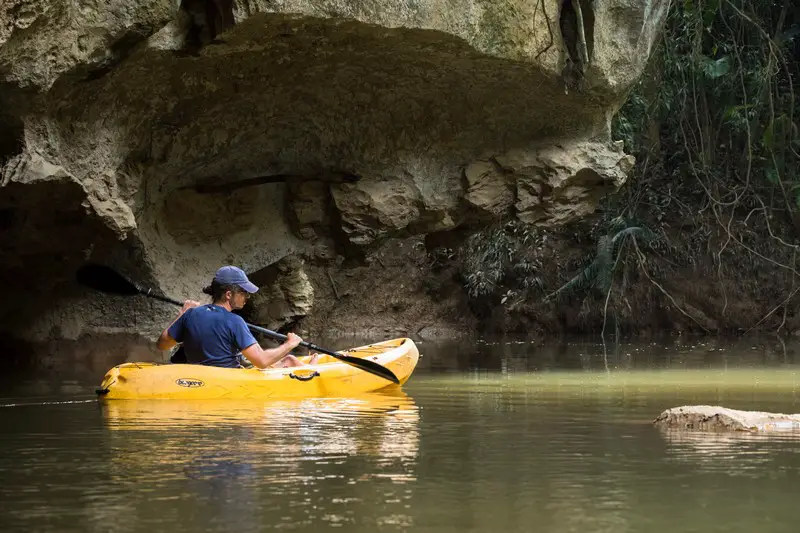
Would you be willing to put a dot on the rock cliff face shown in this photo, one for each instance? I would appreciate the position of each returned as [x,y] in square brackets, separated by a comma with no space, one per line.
[166,138]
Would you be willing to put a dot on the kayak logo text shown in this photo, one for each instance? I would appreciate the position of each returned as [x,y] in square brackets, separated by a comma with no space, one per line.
[190,383]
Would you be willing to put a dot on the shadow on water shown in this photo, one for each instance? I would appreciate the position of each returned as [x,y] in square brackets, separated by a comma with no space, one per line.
[66,368]
[515,354]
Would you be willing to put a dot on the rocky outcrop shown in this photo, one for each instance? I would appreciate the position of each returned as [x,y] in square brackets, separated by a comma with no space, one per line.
[287,296]
[550,185]
[42,41]
[117,117]
[716,418]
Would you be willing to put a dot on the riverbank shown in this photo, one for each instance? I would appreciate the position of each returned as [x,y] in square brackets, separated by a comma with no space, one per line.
[681,278]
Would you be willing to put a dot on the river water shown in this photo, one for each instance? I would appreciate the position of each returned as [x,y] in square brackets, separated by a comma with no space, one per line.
[500,436]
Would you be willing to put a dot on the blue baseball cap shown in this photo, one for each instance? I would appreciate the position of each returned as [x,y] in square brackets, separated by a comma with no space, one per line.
[231,275]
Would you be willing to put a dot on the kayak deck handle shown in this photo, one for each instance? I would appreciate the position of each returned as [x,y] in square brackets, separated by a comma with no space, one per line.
[309,377]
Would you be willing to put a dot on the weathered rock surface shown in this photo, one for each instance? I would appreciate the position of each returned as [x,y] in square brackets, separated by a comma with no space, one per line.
[555,184]
[716,418]
[288,293]
[113,114]
[42,40]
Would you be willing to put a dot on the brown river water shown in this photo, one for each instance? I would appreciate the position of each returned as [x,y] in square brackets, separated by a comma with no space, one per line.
[503,436]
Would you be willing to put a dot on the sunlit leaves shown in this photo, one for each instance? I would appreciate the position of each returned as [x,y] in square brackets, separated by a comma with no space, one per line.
[715,68]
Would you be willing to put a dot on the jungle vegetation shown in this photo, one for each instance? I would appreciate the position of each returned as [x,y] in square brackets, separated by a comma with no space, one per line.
[707,228]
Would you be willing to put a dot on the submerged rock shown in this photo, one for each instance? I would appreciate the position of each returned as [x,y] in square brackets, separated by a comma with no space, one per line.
[716,418]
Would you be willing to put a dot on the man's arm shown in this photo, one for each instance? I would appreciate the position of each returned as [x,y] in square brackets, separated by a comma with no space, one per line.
[262,358]
[165,341]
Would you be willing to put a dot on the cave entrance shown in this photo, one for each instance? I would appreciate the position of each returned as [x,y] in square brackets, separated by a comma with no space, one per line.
[207,19]
[12,136]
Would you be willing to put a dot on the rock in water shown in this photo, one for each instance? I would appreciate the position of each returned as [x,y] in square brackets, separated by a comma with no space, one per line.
[716,418]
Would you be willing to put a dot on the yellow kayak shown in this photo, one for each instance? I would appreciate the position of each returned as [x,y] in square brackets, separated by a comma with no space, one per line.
[328,377]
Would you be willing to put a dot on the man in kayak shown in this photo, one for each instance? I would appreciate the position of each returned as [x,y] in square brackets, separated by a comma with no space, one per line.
[213,335]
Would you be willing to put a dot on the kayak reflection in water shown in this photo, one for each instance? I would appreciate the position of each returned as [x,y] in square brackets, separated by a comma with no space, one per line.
[213,335]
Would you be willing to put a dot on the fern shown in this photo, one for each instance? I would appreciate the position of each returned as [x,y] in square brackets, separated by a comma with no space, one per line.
[497,261]
[600,271]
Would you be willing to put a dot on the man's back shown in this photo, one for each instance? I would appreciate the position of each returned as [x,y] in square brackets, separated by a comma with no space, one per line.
[212,335]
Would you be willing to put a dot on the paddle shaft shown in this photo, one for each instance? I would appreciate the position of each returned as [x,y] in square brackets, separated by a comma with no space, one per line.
[150,294]
[281,337]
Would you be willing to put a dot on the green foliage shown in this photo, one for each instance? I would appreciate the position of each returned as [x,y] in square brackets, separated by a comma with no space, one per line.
[714,128]
[715,115]
[497,263]
[600,272]
[629,124]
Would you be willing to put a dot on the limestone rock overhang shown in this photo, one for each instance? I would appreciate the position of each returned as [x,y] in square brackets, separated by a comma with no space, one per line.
[391,108]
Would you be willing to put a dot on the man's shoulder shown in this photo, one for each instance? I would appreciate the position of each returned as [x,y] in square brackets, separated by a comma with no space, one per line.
[236,323]
[194,311]
[233,318]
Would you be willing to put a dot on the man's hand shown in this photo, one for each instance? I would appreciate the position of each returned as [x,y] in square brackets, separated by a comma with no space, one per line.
[293,341]
[188,304]
[274,357]
[165,342]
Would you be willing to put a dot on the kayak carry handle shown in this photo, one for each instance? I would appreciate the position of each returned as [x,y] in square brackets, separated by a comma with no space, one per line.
[309,377]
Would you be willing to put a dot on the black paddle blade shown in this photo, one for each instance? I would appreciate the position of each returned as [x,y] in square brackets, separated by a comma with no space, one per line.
[369,366]
[104,279]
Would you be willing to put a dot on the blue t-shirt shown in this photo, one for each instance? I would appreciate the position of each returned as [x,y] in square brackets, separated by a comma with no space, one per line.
[212,335]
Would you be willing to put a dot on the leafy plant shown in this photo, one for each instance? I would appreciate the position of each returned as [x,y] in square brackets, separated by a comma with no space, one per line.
[715,117]
[599,273]
[497,263]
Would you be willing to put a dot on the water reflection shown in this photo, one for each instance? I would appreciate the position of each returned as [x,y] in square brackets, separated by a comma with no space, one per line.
[286,463]
[736,453]
[377,424]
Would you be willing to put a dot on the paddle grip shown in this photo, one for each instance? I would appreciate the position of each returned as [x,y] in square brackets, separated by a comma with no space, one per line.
[281,337]
[274,334]
[366,365]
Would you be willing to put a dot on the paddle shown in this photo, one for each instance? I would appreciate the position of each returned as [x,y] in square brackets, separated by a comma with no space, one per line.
[105,279]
